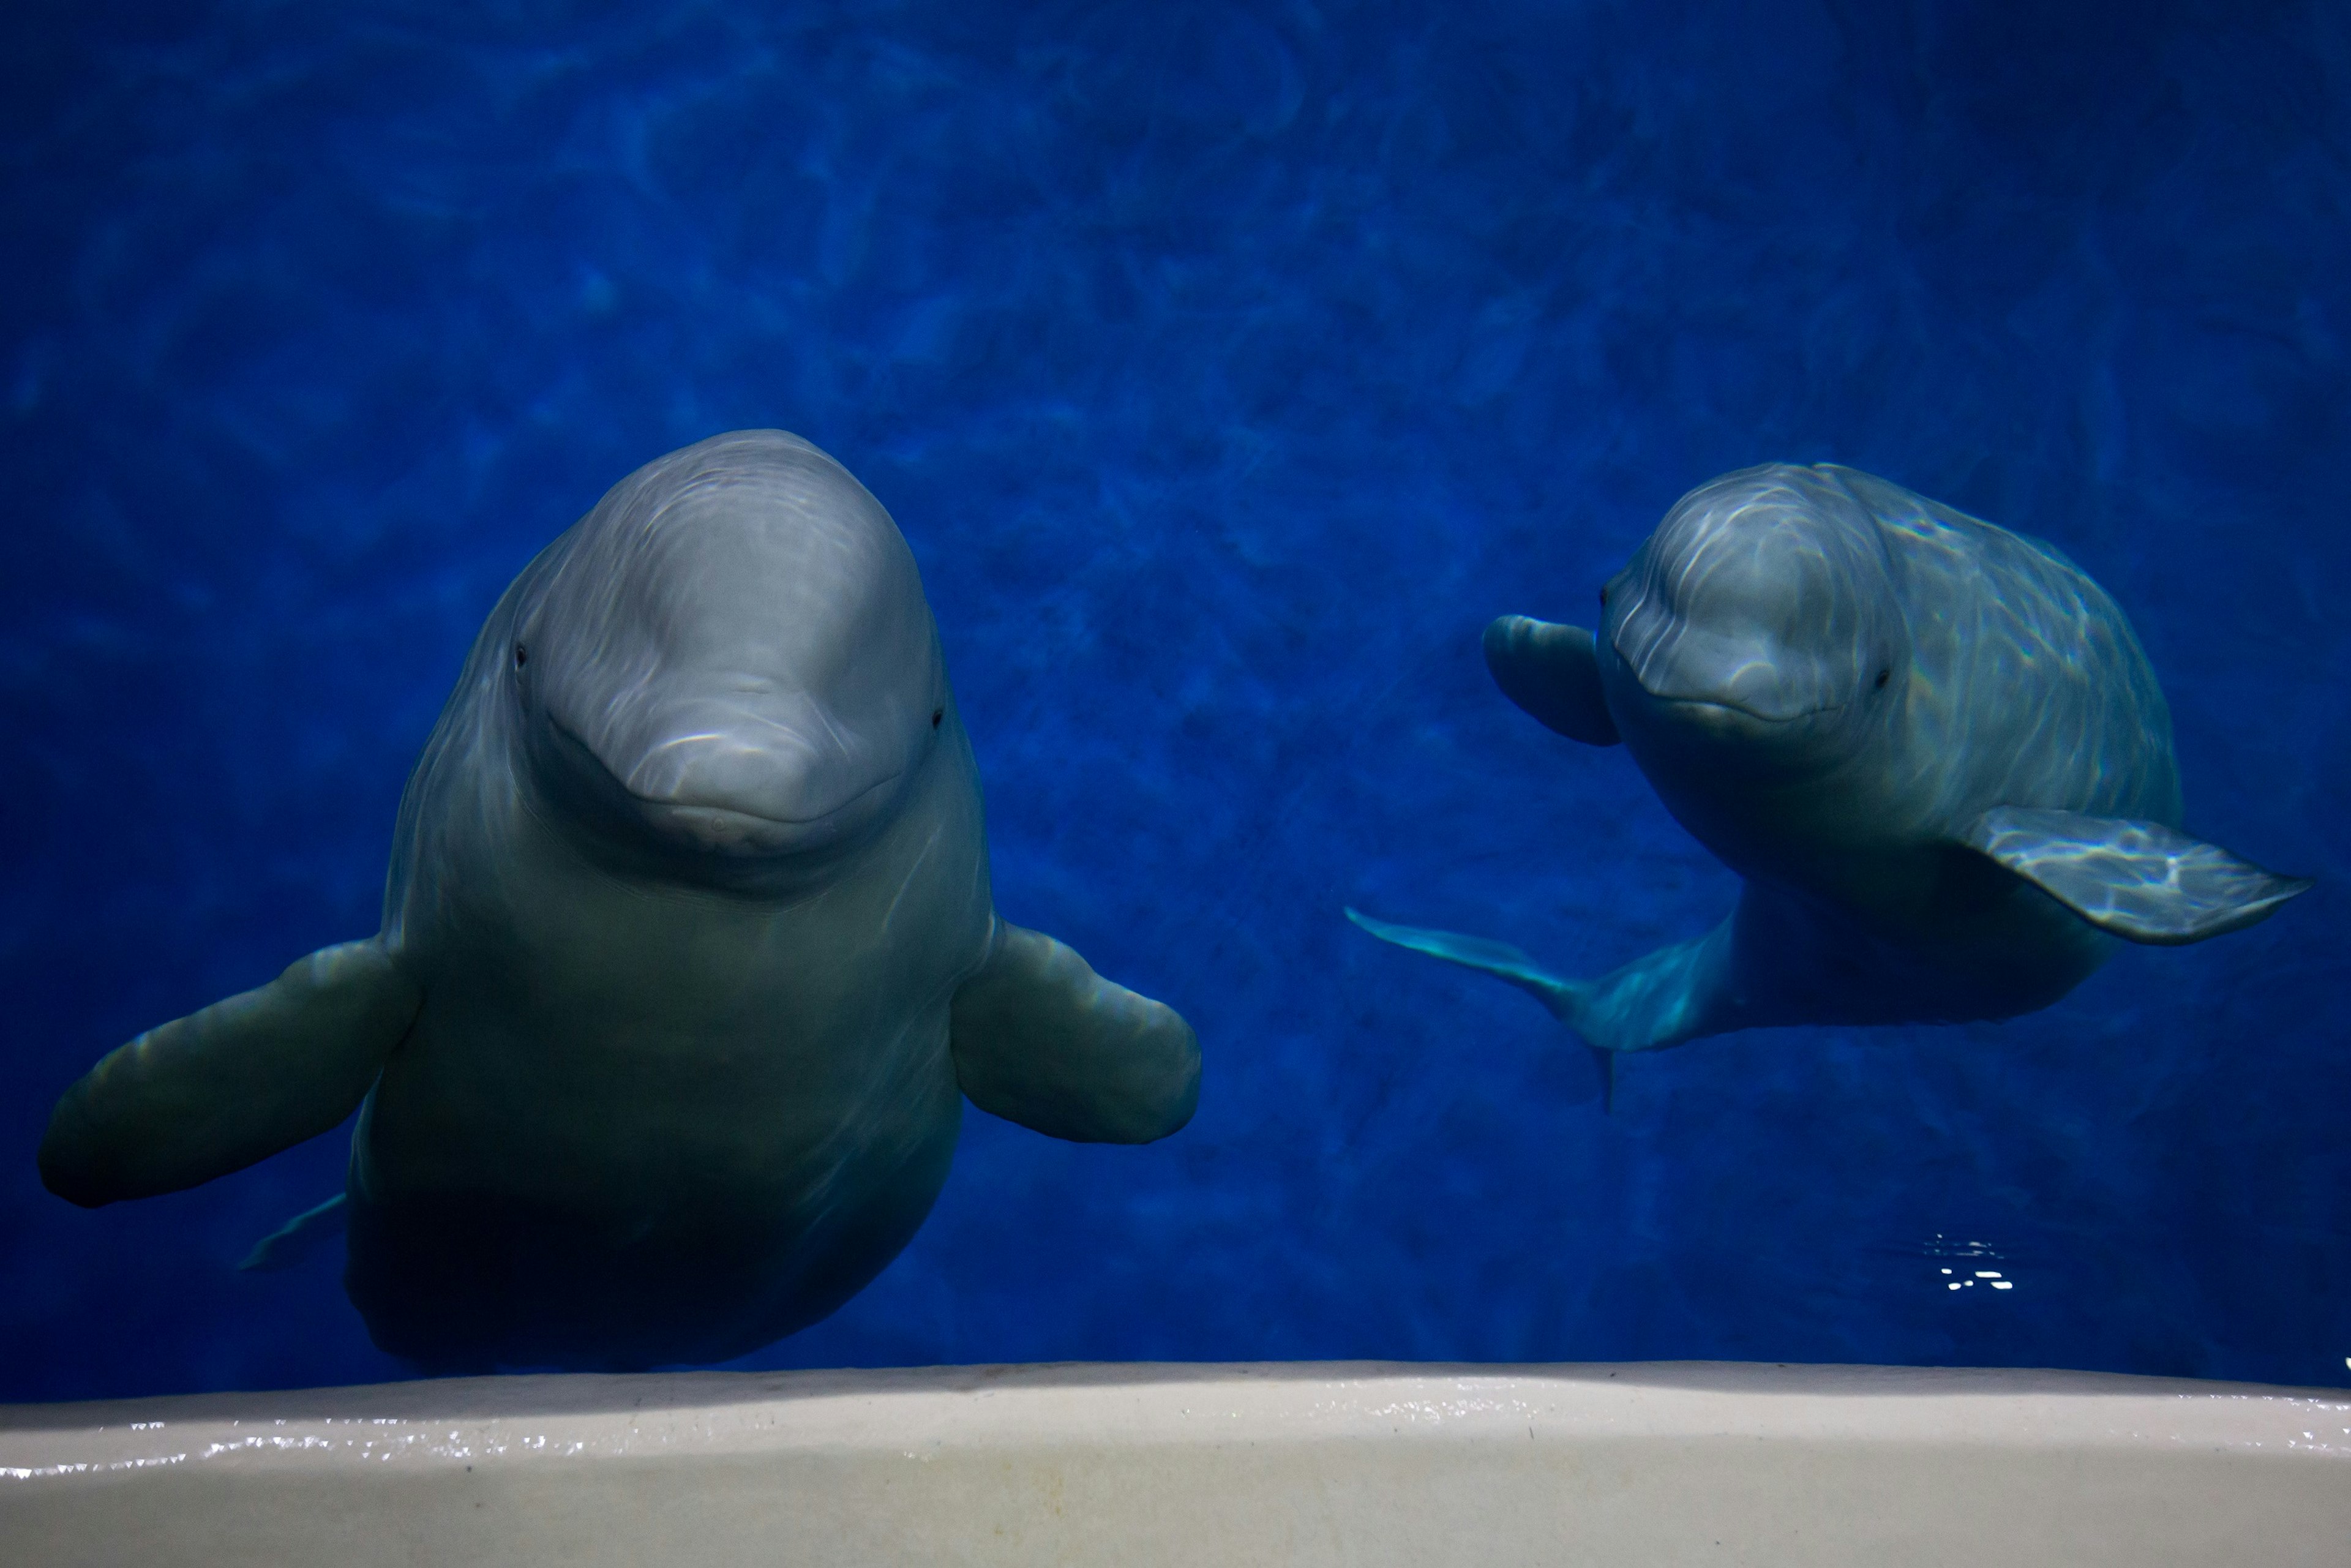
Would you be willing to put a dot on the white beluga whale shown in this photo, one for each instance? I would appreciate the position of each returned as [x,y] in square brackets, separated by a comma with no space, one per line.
[1931,747]
[688,959]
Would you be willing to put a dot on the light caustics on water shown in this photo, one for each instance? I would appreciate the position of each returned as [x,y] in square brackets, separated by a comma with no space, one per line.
[1963,1279]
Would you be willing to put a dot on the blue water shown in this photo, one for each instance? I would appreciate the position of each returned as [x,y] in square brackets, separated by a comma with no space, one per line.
[1228,367]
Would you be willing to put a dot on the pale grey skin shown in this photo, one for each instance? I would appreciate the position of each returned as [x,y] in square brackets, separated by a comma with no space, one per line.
[1932,747]
[688,958]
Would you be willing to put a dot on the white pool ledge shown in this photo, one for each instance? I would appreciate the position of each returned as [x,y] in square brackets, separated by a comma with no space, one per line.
[1358,1463]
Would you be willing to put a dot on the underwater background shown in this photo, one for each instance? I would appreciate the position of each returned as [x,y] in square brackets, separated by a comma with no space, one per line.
[1228,368]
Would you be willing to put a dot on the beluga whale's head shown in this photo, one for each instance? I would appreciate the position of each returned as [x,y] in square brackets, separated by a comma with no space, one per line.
[728,664]
[1757,639]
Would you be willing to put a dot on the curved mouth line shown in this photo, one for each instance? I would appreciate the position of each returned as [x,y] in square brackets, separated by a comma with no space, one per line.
[735,811]
[654,803]
[1633,669]
[1745,713]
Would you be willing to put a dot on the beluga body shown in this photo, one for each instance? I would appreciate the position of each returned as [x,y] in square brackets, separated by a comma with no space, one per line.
[1932,749]
[688,959]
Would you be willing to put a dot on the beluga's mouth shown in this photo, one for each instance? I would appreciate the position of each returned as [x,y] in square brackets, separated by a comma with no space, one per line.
[720,828]
[1684,668]
[709,796]
[1727,714]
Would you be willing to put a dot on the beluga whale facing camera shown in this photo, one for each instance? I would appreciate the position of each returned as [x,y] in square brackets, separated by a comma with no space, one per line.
[688,959]
[1932,747]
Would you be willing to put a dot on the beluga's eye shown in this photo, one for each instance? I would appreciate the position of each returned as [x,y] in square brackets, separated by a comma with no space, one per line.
[1883,676]
[1603,596]
[522,655]
[937,713]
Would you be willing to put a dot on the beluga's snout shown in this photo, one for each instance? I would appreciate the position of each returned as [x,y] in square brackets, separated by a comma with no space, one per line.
[1764,600]
[760,773]
[736,659]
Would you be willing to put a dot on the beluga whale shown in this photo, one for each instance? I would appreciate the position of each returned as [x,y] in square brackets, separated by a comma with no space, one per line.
[688,959]
[1932,749]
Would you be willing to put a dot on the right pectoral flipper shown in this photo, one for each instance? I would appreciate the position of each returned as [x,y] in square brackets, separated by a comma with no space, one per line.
[235,1082]
[1040,1038]
[1553,672]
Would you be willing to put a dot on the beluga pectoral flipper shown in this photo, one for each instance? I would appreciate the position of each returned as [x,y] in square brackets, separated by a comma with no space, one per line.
[688,961]
[231,1083]
[1040,1038]
[1932,747]
[1553,672]
[2139,880]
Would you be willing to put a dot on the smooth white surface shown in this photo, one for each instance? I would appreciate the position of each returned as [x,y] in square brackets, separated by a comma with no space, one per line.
[1365,1463]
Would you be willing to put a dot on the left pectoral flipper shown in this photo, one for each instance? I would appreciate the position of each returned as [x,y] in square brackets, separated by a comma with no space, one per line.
[231,1083]
[2138,880]
[1040,1038]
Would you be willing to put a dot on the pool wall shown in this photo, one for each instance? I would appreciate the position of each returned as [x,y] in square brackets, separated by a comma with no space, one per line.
[1296,1463]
